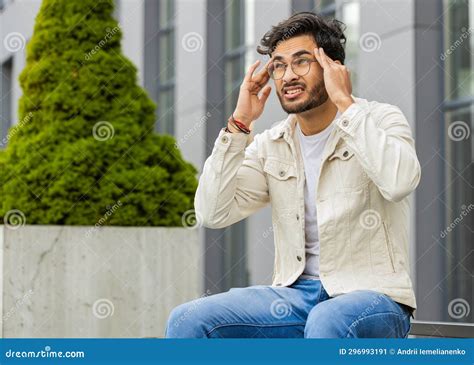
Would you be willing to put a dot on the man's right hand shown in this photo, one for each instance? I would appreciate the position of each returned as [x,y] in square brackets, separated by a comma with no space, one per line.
[250,105]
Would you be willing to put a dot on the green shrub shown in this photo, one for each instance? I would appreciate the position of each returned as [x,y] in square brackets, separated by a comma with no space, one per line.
[85,142]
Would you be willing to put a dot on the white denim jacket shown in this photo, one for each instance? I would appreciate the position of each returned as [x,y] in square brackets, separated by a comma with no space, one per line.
[369,167]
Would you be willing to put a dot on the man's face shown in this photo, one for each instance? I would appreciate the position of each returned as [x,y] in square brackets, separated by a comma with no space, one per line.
[313,92]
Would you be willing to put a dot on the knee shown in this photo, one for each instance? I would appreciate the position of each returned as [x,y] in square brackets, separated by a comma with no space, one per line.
[321,323]
[184,322]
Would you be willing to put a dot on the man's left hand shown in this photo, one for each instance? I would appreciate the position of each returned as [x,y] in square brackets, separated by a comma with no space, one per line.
[336,79]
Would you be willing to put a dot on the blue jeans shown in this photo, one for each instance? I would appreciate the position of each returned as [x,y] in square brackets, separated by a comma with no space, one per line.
[302,310]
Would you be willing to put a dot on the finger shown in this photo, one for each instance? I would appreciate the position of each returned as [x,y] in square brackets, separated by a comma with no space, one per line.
[261,82]
[262,74]
[265,67]
[248,75]
[265,94]
[319,58]
[326,62]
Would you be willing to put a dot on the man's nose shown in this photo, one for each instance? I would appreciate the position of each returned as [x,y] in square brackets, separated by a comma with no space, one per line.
[289,75]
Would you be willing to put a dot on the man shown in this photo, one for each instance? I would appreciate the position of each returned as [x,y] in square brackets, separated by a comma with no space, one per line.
[338,172]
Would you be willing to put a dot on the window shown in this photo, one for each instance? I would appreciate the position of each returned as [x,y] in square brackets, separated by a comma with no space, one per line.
[349,14]
[234,52]
[458,237]
[458,46]
[6,84]
[322,7]
[166,61]
[325,7]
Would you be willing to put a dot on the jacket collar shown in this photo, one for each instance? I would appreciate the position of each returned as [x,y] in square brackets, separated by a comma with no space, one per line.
[285,129]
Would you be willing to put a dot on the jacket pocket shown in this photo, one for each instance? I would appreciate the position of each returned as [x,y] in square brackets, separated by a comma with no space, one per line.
[347,169]
[281,180]
[279,170]
[388,245]
[282,184]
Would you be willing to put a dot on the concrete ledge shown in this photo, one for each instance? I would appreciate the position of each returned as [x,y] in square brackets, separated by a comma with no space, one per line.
[81,281]
[441,329]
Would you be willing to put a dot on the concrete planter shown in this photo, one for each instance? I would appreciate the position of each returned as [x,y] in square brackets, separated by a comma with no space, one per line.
[81,281]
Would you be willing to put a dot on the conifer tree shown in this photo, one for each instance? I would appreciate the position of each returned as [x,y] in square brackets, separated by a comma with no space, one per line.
[85,139]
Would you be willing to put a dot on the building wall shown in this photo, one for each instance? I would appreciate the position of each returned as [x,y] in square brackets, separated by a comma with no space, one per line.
[191,113]
[130,14]
[16,24]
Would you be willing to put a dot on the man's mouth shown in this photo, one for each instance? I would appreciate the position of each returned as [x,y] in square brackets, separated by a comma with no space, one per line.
[291,93]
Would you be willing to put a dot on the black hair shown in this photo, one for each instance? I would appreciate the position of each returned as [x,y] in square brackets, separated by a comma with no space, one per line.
[328,33]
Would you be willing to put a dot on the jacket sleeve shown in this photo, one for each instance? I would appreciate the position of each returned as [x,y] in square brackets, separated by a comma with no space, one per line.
[383,144]
[232,185]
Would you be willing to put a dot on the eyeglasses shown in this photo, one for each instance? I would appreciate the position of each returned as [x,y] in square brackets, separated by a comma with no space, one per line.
[300,67]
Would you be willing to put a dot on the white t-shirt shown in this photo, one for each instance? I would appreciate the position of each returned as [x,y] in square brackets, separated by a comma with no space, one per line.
[311,149]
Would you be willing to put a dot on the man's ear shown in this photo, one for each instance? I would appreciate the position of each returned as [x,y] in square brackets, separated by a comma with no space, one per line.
[339,62]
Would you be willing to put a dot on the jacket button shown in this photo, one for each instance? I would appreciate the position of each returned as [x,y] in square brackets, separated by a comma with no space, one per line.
[345,122]
[225,139]
[282,173]
[298,258]
[345,154]
[279,284]
[297,217]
